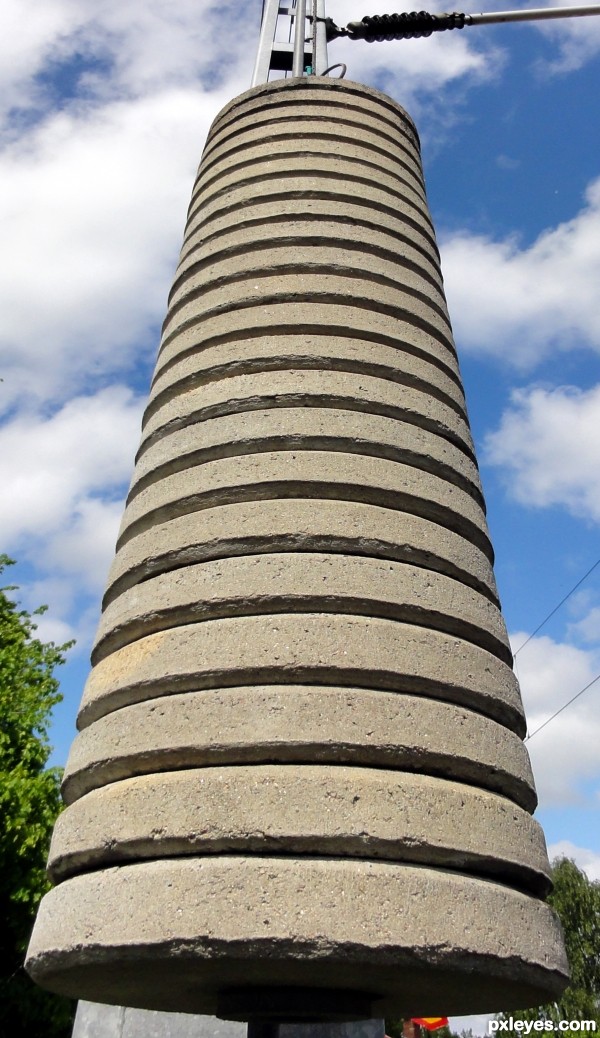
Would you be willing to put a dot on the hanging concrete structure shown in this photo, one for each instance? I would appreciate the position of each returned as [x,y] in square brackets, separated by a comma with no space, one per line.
[300,787]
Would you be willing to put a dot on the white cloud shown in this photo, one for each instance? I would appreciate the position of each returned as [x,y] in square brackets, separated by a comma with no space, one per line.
[411,69]
[588,628]
[52,629]
[547,443]
[26,44]
[64,479]
[519,303]
[587,860]
[73,611]
[55,471]
[94,192]
[92,209]
[565,754]
[577,39]
[121,49]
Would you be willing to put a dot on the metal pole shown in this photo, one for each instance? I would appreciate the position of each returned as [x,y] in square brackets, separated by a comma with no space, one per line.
[321,61]
[265,45]
[417,24]
[299,35]
[530,15]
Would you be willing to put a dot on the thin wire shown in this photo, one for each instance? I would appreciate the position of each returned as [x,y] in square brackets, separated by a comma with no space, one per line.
[556,608]
[593,682]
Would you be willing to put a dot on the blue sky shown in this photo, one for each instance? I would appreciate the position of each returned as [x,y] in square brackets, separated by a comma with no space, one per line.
[104,109]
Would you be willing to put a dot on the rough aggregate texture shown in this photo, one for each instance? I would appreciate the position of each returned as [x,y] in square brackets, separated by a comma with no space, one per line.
[309,648]
[302,809]
[289,525]
[312,474]
[300,723]
[300,760]
[304,583]
[156,934]
[298,428]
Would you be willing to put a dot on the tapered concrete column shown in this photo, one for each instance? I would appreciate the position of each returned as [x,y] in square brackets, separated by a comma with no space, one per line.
[300,786]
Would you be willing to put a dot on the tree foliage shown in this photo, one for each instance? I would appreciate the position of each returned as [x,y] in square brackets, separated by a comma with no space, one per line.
[29,804]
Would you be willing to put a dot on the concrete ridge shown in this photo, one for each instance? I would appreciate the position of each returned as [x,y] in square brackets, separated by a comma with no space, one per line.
[233,391]
[347,166]
[274,295]
[261,585]
[310,475]
[365,152]
[335,281]
[309,387]
[332,923]
[300,724]
[332,261]
[288,525]
[292,352]
[384,198]
[302,809]
[351,214]
[377,105]
[320,122]
[242,244]
[194,443]
[175,353]
[316,228]
[309,191]
[305,648]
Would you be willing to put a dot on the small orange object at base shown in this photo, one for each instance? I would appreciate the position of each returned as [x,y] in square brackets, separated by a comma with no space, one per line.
[430,1023]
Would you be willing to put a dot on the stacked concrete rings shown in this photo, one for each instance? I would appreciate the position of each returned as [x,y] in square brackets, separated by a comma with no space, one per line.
[300,763]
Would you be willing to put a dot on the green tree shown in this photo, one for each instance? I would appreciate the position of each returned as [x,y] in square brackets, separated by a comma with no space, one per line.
[29,804]
[576,901]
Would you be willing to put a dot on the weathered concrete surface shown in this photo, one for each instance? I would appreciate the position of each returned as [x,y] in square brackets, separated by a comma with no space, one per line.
[395,364]
[302,583]
[219,172]
[302,809]
[156,934]
[344,390]
[299,286]
[298,428]
[101,1021]
[294,257]
[403,248]
[300,723]
[297,525]
[93,1020]
[317,317]
[310,474]
[305,648]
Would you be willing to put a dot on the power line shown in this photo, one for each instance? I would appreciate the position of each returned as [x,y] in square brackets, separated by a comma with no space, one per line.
[538,628]
[556,608]
[592,682]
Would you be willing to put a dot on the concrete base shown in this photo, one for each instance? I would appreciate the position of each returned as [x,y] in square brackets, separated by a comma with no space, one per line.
[100,1021]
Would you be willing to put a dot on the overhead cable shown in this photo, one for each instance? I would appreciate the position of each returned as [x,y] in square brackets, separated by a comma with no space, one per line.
[580,693]
[410,25]
[556,608]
